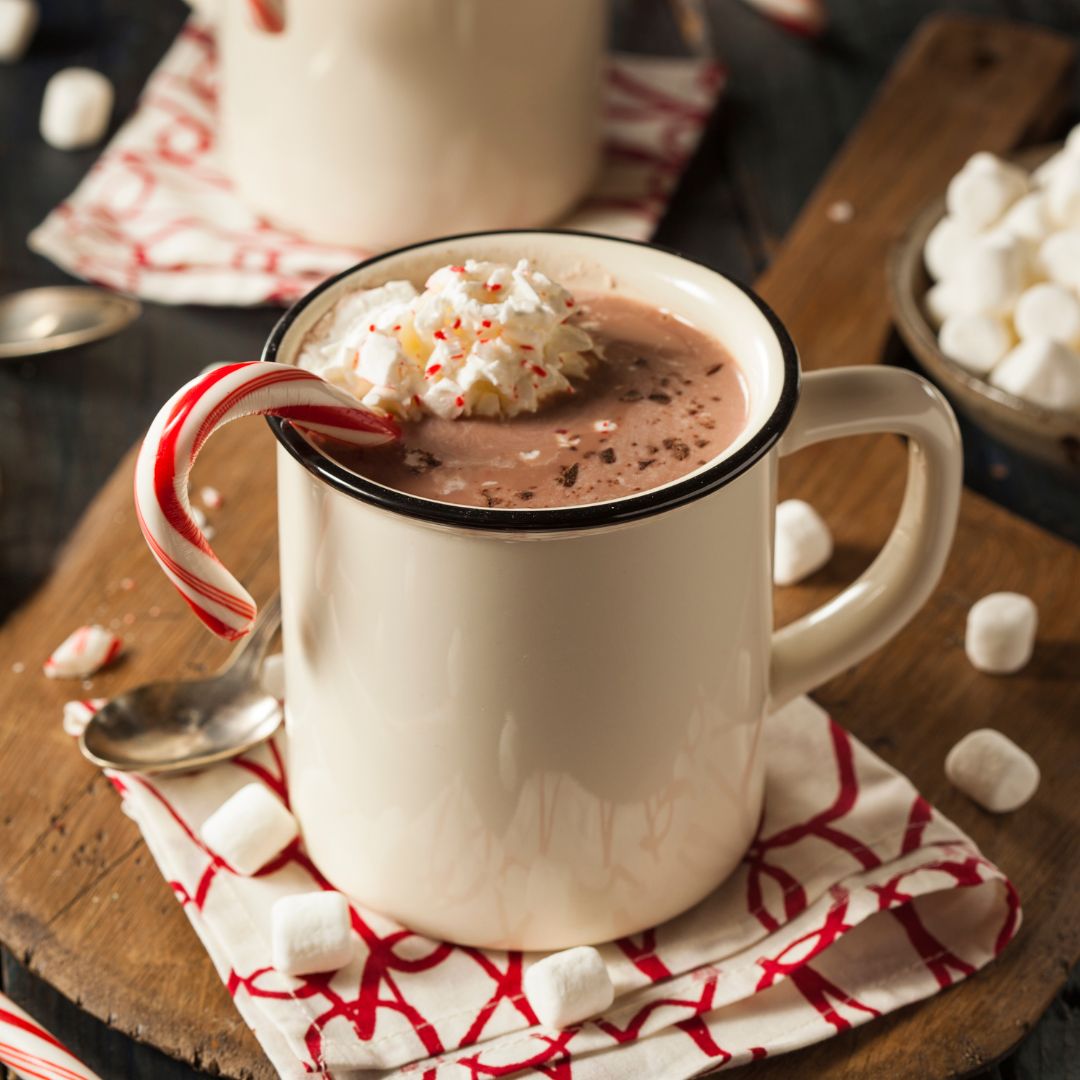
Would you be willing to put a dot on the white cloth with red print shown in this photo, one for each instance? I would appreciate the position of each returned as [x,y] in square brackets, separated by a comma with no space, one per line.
[855,899]
[157,217]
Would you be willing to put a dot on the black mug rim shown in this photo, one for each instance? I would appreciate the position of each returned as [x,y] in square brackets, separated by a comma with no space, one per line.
[627,509]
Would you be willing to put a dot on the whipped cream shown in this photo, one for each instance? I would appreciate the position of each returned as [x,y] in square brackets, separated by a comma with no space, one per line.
[483,339]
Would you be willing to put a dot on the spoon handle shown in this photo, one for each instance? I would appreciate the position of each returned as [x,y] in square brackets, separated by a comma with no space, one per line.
[247,659]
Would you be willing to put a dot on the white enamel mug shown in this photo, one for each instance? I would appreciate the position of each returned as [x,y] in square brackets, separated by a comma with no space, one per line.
[375,123]
[542,728]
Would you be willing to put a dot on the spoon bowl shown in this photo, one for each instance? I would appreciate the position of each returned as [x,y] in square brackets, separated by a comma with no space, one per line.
[36,321]
[182,725]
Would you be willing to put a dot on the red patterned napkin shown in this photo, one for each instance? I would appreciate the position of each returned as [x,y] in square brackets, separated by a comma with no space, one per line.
[856,898]
[157,217]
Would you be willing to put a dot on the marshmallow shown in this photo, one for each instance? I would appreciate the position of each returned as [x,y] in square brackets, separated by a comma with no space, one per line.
[1048,310]
[18,21]
[984,189]
[1028,218]
[942,301]
[992,770]
[1059,256]
[83,653]
[568,987]
[1063,193]
[803,542]
[77,714]
[310,933]
[272,676]
[1042,176]
[76,108]
[975,342]
[249,829]
[1000,634]
[948,241]
[989,275]
[1041,371]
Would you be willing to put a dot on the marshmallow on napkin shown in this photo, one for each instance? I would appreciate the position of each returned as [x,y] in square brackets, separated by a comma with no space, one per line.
[569,986]
[83,653]
[310,933]
[249,829]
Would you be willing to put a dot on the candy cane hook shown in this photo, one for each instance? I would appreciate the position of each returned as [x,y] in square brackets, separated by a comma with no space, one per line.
[177,435]
[28,1049]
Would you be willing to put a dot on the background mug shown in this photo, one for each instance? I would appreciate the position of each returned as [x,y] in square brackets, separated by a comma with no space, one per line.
[542,728]
[374,123]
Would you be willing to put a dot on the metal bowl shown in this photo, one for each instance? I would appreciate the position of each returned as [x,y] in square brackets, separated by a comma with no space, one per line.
[36,321]
[1048,435]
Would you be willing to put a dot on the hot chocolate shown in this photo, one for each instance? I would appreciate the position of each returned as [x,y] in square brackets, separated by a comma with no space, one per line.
[659,399]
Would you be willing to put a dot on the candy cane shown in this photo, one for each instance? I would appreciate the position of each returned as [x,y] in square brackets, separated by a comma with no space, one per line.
[269,15]
[28,1049]
[177,435]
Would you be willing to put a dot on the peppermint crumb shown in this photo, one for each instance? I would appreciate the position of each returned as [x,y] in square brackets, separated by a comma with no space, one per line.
[420,461]
[653,449]
[678,448]
[568,476]
[525,496]
[714,369]
[631,395]
[641,362]
[660,398]
[492,500]
[699,443]
[607,456]
[643,465]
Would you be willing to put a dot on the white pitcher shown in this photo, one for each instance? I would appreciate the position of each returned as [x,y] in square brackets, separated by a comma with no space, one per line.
[376,123]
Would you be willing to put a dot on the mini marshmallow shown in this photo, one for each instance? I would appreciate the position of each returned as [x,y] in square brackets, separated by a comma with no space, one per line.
[1063,193]
[77,714]
[249,829]
[1041,371]
[1048,310]
[568,987]
[992,770]
[942,301]
[310,933]
[272,676]
[803,542]
[984,189]
[975,342]
[76,108]
[18,21]
[1028,218]
[1059,256]
[1000,634]
[989,275]
[1042,176]
[947,243]
[83,653]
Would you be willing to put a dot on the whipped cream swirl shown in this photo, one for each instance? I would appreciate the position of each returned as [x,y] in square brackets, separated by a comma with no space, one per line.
[483,339]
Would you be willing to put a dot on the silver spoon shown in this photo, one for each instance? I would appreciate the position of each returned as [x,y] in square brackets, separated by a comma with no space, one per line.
[180,725]
[36,321]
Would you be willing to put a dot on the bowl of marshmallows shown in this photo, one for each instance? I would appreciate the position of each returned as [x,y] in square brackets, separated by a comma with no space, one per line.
[985,288]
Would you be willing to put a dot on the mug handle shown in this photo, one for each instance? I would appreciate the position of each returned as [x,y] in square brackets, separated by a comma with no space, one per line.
[864,401]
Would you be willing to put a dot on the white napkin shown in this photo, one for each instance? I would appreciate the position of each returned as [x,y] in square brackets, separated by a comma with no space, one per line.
[856,898]
[157,217]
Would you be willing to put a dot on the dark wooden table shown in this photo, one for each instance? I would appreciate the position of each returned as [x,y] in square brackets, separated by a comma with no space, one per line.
[67,421]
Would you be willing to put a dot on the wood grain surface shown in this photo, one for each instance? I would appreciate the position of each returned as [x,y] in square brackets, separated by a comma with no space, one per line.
[83,905]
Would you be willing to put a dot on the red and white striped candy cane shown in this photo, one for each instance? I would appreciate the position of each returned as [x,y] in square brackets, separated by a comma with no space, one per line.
[28,1049]
[177,435]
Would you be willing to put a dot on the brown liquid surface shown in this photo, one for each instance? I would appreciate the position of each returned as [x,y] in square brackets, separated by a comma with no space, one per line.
[676,395]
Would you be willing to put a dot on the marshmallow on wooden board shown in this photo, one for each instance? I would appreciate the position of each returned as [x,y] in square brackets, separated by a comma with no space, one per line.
[249,829]
[1029,218]
[803,542]
[1041,371]
[992,770]
[947,243]
[984,189]
[76,108]
[569,986]
[1048,310]
[18,21]
[83,653]
[975,342]
[1059,258]
[310,933]
[1000,634]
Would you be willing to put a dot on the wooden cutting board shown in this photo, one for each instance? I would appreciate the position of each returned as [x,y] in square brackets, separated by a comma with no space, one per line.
[82,903]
